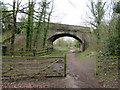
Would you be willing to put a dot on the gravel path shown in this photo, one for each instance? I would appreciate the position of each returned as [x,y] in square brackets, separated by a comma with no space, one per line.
[80,74]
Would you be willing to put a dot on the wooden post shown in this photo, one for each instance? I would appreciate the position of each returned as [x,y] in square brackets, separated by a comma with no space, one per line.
[34,52]
[96,66]
[65,65]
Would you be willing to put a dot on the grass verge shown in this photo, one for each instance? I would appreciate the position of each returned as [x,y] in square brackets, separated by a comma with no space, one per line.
[108,78]
[54,54]
[85,54]
[62,49]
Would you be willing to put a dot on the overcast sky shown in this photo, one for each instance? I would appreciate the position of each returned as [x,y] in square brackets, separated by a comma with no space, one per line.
[71,12]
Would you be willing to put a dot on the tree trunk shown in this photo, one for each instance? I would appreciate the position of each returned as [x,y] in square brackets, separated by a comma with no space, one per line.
[47,27]
[39,27]
[14,29]
[29,31]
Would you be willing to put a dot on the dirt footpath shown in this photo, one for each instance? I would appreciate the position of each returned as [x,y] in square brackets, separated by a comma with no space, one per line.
[80,74]
[82,71]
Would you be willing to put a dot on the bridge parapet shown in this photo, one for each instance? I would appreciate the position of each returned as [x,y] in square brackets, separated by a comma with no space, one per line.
[69,27]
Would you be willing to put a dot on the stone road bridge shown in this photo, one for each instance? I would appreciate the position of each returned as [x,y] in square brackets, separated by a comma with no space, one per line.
[80,33]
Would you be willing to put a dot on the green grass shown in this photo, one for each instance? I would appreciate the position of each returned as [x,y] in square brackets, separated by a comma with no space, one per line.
[32,57]
[62,49]
[86,53]
[54,54]
[83,54]
[80,55]
[65,49]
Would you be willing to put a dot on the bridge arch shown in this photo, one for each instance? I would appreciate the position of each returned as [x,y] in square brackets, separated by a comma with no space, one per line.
[56,36]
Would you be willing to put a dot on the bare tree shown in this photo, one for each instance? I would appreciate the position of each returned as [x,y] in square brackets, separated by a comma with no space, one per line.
[15,11]
[43,23]
[48,23]
[39,25]
[29,32]
[98,12]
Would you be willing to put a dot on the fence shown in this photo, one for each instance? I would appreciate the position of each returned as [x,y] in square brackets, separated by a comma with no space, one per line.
[105,63]
[22,52]
[16,67]
[33,52]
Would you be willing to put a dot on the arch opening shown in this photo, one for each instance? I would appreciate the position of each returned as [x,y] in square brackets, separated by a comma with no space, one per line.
[57,36]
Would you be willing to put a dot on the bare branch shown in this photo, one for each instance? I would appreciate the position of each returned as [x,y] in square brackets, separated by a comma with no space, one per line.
[72,3]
